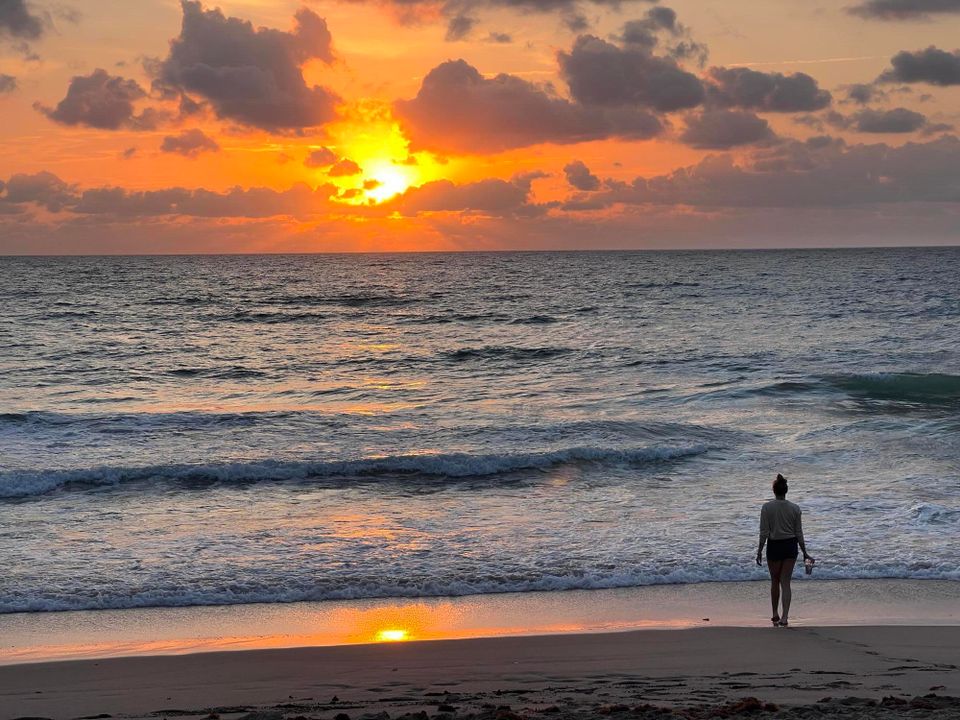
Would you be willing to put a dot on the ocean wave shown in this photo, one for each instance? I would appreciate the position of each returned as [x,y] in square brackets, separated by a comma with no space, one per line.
[20,484]
[235,372]
[274,318]
[906,387]
[182,421]
[354,300]
[923,388]
[501,352]
[244,591]
[933,514]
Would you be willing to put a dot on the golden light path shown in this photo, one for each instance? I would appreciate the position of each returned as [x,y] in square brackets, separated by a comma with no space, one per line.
[392,635]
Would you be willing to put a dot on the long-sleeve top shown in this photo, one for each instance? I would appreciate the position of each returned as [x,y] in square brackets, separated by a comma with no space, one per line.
[780,520]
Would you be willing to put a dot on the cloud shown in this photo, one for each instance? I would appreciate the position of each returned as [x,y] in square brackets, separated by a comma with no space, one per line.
[459,27]
[723,129]
[491,196]
[499,37]
[42,188]
[8,83]
[741,87]
[49,191]
[103,101]
[324,157]
[898,120]
[904,9]
[457,110]
[250,76]
[580,177]
[862,93]
[820,172]
[16,21]
[932,65]
[647,33]
[871,120]
[189,143]
[461,15]
[601,74]
[344,168]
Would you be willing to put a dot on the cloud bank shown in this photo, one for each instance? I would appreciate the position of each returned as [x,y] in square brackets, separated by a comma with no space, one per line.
[251,76]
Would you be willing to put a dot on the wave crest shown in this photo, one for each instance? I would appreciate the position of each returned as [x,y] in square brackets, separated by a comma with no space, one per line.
[19,484]
[926,388]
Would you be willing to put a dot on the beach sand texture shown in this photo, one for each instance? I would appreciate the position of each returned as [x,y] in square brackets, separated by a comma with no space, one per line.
[702,672]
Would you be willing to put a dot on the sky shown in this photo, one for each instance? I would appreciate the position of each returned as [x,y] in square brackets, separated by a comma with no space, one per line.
[161,126]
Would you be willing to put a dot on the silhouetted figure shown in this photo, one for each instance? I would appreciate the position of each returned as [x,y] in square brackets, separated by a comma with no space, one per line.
[782,532]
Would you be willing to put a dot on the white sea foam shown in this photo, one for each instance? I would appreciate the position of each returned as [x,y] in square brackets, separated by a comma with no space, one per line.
[298,589]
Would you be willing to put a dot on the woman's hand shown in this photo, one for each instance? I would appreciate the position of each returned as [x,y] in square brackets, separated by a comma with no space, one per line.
[759,561]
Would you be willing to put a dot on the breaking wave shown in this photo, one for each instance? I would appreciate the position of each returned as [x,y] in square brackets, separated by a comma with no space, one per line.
[19,484]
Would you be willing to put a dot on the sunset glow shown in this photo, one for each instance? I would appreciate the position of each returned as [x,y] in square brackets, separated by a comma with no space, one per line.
[386,126]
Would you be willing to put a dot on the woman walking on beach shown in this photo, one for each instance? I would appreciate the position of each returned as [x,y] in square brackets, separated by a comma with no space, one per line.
[782,532]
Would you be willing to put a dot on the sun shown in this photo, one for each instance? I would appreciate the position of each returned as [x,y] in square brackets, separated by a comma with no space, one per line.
[390,179]
[392,635]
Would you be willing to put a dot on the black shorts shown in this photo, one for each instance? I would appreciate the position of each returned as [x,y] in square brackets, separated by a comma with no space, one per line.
[786,549]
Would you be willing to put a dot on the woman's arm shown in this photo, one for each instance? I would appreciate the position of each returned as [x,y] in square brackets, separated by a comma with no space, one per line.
[764,533]
[800,540]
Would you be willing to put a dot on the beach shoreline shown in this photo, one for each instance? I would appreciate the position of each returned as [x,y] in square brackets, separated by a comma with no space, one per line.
[28,637]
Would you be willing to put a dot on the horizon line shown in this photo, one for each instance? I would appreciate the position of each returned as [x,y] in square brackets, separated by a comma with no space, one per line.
[504,251]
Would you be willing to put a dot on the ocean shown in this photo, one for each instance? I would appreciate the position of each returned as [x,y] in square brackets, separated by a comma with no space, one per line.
[180,431]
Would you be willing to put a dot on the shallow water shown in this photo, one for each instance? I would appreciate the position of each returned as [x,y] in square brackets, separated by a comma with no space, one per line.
[203,430]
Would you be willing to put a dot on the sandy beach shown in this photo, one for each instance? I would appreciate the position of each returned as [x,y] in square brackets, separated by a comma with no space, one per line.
[703,670]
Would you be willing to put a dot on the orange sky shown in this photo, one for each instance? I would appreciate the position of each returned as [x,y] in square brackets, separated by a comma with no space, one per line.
[256,125]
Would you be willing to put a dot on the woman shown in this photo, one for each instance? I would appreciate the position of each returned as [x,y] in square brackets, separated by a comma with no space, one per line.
[781,530]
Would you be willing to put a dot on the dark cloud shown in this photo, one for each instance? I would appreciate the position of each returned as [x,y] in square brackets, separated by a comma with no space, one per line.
[904,9]
[457,110]
[189,143]
[602,74]
[580,177]
[49,191]
[723,129]
[324,157]
[8,83]
[748,89]
[660,22]
[487,197]
[103,101]
[862,93]
[43,188]
[16,21]
[459,27]
[251,76]
[933,66]
[898,120]
[299,200]
[344,168]
[821,172]
[500,37]
[461,15]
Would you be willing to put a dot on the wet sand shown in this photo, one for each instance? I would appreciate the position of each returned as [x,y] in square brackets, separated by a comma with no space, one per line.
[700,672]
[32,637]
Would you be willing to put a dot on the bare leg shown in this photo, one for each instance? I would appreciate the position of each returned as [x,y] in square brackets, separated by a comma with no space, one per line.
[785,574]
[775,567]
